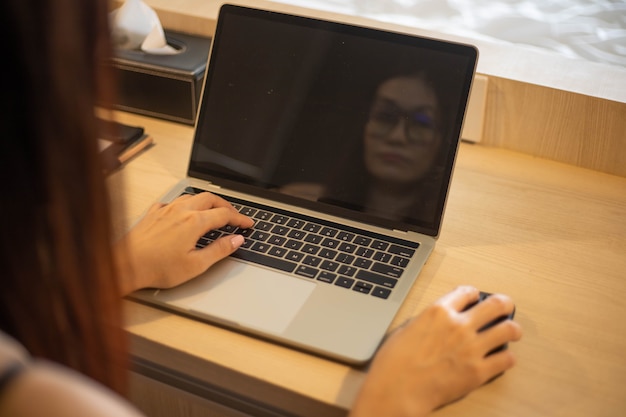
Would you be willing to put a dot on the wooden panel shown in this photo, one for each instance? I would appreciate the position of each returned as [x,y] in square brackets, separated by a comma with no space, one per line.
[156,399]
[564,126]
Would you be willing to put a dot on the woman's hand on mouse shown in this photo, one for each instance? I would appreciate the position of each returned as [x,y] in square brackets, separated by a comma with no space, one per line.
[439,357]
[160,251]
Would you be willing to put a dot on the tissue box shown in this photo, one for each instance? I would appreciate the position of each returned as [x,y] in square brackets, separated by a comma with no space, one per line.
[164,86]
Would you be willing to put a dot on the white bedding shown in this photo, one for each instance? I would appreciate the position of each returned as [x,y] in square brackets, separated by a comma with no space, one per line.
[590,29]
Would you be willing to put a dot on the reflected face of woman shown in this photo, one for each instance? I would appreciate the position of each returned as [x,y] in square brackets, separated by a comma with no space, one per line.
[401,136]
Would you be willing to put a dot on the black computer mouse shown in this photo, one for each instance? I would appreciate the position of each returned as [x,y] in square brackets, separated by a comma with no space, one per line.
[484,296]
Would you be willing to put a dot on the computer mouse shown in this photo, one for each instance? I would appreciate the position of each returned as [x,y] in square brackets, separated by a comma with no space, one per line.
[483,296]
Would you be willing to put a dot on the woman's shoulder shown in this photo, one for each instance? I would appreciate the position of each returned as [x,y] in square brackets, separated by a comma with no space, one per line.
[36,388]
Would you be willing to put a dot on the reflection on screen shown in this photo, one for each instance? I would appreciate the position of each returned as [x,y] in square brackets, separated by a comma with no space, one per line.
[344,116]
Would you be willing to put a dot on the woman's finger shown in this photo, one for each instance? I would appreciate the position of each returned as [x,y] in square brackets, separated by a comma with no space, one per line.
[491,308]
[499,335]
[216,251]
[216,218]
[459,298]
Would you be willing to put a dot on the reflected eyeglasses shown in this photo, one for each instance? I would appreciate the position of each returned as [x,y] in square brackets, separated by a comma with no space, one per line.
[419,125]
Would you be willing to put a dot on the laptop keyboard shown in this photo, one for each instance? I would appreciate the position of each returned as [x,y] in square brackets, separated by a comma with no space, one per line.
[333,254]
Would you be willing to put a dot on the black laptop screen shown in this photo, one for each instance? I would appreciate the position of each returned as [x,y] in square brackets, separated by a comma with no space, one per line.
[334,116]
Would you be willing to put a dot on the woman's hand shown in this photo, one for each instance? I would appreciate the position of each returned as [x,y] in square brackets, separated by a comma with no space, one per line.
[160,251]
[439,356]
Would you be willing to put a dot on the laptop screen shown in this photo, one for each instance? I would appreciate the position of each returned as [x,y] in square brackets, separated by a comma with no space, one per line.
[348,120]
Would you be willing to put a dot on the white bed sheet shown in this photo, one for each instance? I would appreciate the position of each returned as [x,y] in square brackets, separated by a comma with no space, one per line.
[594,30]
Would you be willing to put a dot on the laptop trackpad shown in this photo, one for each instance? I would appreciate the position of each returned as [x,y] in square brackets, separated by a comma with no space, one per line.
[240,293]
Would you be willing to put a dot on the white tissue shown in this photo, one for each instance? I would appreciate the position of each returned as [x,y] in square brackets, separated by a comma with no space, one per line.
[135,25]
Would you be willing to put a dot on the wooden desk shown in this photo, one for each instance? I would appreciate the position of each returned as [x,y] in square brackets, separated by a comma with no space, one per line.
[551,235]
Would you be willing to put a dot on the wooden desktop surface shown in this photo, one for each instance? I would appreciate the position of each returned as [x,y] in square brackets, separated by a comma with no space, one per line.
[553,236]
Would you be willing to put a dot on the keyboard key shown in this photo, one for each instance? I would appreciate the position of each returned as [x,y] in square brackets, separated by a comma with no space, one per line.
[277,251]
[212,235]
[381,292]
[401,250]
[330,243]
[345,236]
[296,234]
[202,242]
[399,261]
[228,229]
[263,226]
[382,256]
[312,238]
[328,253]
[263,215]
[328,232]
[365,252]
[280,230]
[310,249]
[293,244]
[344,258]
[362,263]
[258,235]
[263,259]
[295,223]
[248,211]
[346,270]
[379,244]
[347,247]
[344,282]
[312,260]
[294,256]
[363,287]
[326,276]
[260,247]
[306,271]
[329,266]
[376,278]
[280,219]
[277,240]
[388,270]
[312,227]
[362,240]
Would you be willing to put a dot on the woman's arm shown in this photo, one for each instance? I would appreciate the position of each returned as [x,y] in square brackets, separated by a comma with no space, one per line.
[38,388]
[45,389]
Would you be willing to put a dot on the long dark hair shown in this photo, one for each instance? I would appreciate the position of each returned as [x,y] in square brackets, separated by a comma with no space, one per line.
[60,295]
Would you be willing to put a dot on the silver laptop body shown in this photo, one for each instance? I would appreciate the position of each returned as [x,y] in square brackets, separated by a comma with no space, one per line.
[280,133]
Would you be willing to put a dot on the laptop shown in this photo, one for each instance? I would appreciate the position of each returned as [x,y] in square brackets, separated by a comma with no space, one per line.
[339,141]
